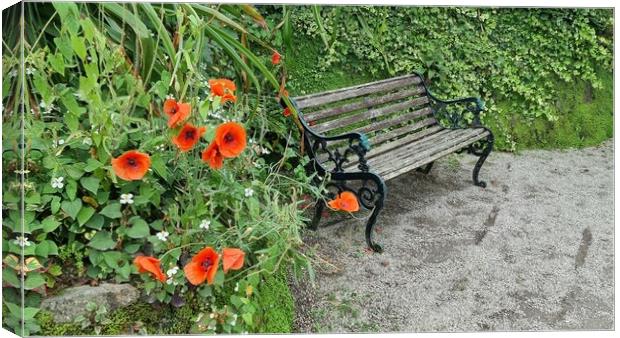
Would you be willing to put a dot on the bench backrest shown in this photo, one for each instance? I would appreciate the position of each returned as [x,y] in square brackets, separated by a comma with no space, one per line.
[399,104]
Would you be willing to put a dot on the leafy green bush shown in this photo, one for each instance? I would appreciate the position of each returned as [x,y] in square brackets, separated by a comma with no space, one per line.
[97,78]
[517,59]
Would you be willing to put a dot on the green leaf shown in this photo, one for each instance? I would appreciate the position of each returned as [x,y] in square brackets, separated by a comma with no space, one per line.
[157,163]
[95,222]
[10,276]
[111,258]
[102,241]
[71,189]
[84,215]
[79,47]
[90,183]
[72,122]
[72,208]
[92,165]
[50,224]
[57,62]
[34,280]
[46,248]
[139,229]
[112,210]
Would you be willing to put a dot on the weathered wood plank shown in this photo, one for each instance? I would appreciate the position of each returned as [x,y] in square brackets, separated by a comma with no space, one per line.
[387,123]
[318,99]
[369,114]
[389,134]
[364,103]
[405,156]
[387,175]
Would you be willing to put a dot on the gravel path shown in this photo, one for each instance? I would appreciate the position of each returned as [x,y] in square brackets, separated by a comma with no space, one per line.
[532,251]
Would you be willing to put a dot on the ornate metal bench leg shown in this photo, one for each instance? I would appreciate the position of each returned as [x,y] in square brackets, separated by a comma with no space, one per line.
[318,212]
[483,153]
[370,225]
[426,169]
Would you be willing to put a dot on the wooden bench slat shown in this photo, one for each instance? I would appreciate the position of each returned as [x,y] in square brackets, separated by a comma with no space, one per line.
[370,114]
[425,160]
[380,138]
[384,124]
[409,155]
[355,91]
[365,103]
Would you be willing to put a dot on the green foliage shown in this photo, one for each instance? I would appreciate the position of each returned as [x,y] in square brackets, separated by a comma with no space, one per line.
[518,60]
[96,79]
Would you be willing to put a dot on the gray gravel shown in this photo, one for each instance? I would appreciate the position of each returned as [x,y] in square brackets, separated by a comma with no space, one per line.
[532,251]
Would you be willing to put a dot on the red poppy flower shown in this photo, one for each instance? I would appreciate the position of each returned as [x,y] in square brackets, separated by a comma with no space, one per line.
[203,266]
[230,138]
[287,112]
[212,156]
[232,259]
[275,57]
[150,265]
[188,137]
[346,201]
[177,112]
[223,88]
[132,165]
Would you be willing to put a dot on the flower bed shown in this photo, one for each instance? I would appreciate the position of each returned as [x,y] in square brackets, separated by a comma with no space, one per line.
[139,168]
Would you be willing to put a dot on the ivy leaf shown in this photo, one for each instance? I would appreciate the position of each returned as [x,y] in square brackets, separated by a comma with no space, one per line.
[112,210]
[71,189]
[33,281]
[90,183]
[55,204]
[72,208]
[84,215]
[95,222]
[140,229]
[49,224]
[102,241]
[79,47]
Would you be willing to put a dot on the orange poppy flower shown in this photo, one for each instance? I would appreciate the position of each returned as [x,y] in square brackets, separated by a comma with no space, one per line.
[287,112]
[232,258]
[223,88]
[188,137]
[203,266]
[230,138]
[132,165]
[275,57]
[212,156]
[346,201]
[151,265]
[176,111]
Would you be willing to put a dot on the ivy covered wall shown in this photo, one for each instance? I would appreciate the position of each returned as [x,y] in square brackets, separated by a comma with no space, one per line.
[545,74]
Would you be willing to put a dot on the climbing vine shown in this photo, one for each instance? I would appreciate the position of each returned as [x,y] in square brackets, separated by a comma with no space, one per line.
[512,56]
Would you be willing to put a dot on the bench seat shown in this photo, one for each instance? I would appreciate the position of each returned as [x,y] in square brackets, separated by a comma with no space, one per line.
[374,132]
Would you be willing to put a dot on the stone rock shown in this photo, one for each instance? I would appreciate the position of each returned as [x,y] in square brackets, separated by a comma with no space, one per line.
[72,301]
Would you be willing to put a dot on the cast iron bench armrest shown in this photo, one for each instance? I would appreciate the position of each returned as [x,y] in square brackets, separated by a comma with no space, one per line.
[357,144]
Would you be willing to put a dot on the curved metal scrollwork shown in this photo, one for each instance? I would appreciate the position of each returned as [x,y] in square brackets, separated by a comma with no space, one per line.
[338,156]
[459,114]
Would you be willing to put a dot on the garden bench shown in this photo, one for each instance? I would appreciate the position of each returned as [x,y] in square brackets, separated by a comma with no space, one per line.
[407,126]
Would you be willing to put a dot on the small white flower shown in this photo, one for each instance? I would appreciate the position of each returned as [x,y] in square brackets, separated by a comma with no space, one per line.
[172,271]
[265,151]
[126,198]
[88,58]
[13,73]
[30,70]
[212,315]
[22,241]
[57,182]
[205,224]
[249,192]
[42,104]
[163,235]
[171,281]
[61,142]
[236,287]
[87,141]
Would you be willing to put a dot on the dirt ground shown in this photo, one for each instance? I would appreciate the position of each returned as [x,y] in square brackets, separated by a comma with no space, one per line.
[532,251]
